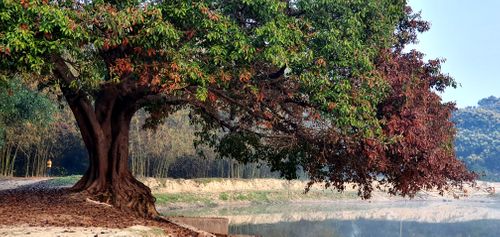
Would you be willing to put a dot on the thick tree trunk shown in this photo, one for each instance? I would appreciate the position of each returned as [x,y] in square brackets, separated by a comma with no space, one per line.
[104,126]
[105,130]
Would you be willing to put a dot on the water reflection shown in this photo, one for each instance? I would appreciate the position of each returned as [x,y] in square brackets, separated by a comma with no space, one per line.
[460,218]
[372,228]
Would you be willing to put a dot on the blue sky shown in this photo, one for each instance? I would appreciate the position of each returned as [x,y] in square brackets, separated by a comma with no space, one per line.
[467,34]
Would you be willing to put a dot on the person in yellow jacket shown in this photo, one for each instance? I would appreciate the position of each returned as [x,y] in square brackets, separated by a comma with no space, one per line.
[49,167]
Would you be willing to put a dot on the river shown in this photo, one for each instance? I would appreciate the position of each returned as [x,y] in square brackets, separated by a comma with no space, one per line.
[460,218]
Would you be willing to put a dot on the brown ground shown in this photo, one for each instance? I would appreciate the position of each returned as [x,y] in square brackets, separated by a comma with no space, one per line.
[39,205]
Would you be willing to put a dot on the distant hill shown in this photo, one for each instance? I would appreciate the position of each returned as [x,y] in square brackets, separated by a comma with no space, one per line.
[478,137]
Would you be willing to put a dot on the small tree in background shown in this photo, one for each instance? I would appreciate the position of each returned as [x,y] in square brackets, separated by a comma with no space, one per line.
[318,86]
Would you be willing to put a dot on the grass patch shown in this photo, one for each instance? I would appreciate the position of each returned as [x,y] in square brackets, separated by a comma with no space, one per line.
[242,197]
[256,197]
[224,196]
[253,196]
[166,198]
[64,181]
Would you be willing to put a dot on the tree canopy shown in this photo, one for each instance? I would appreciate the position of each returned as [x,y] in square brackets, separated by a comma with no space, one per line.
[320,86]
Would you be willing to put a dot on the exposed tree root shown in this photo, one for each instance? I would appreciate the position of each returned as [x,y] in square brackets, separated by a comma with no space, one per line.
[125,193]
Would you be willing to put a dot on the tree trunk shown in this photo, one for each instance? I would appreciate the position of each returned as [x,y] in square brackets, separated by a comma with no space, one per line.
[104,126]
[13,162]
[105,130]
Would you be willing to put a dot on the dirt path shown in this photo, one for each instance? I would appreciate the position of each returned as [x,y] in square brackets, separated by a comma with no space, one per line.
[13,183]
[29,207]
[33,231]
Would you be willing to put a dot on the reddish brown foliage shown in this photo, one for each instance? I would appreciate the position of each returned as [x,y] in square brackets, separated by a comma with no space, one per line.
[105,45]
[124,42]
[321,62]
[123,66]
[421,154]
[331,106]
[416,151]
[24,26]
[225,76]
[190,34]
[212,97]
[245,76]
[25,3]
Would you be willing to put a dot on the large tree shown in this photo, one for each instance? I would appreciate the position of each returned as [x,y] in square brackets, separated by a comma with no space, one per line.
[316,86]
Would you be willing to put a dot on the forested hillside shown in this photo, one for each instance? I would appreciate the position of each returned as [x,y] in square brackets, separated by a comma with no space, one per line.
[478,137]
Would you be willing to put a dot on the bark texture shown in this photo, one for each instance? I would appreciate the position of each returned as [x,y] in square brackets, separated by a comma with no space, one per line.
[104,126]
[105,130]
